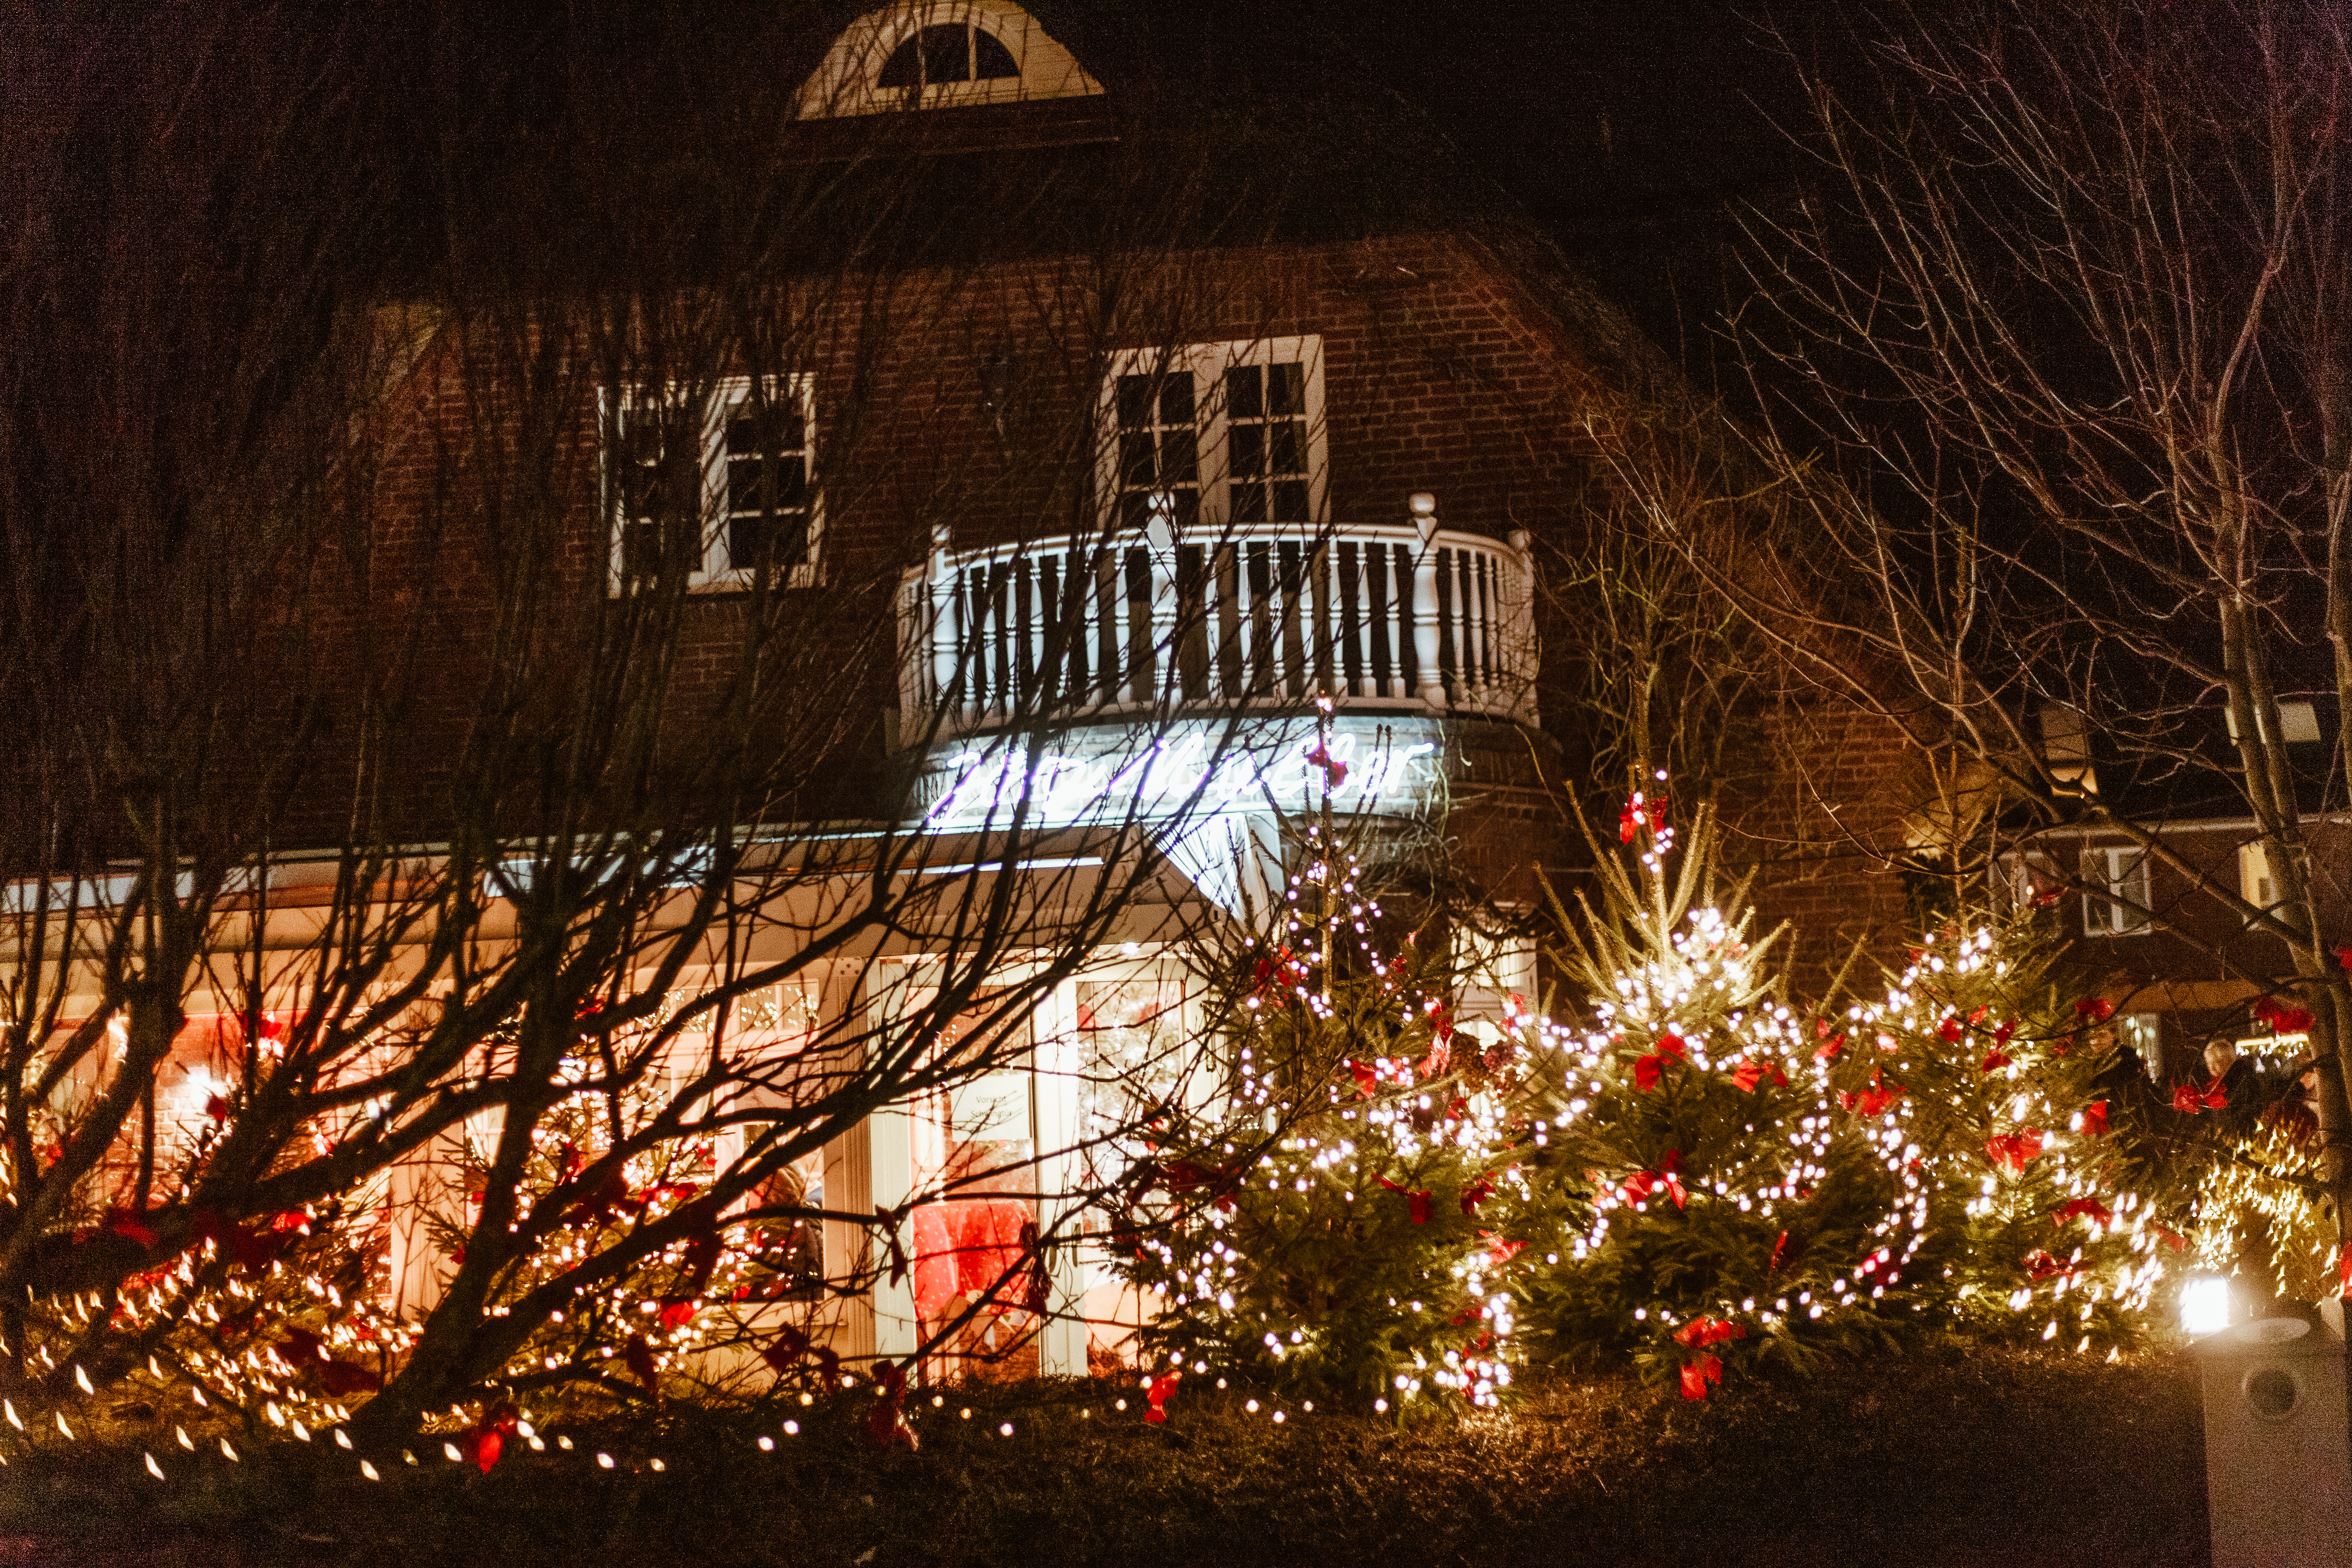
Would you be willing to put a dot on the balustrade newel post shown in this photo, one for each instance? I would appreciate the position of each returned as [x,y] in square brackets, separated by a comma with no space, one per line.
[1424,507]
[1518,644]
[1160,545]
[946,649]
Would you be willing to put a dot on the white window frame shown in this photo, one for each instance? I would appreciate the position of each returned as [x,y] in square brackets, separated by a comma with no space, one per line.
[1208,363]
[726,396]
[848,81]
[2117,883]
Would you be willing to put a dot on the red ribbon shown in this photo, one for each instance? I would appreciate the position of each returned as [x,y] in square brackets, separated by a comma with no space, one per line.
[1698,1374]
[1641,1184]
[2013,1152]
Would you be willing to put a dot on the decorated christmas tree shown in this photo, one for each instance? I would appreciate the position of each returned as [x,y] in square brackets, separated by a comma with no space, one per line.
[1346,1210]
[1770,1181]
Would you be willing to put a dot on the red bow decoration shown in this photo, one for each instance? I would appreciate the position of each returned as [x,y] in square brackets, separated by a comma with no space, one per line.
[2094,1119]
[129,1224]
[2284,1018]
[2041,1267]
[1873,1100]
[2344,955]
[2189,1098]
[1639,813]
[1701,1333]
[2013,1152]
[1698,1374]
[2098,1009]
[1417,1202]
[639,1356]
[887,1423]
[1779,1246]
[1440,1057]
[1829,1049]
[1367,1081]
[1501,1249]
[489,1439]
[1641,1184]
[338,1378]
[1335,772]
[1951,1029]
[1751,1073]
[2084,1208]
[1477,1192]
[2343,1271]
[1994,1061]
[2001,1034]
[1157,1396]
[791,1346]
[1646,1069]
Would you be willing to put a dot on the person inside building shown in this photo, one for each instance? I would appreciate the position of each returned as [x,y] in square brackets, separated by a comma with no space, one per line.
[2235,1075]
[2296,1108]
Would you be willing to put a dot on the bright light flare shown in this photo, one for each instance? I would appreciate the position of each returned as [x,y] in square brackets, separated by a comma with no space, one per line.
[2205,1305]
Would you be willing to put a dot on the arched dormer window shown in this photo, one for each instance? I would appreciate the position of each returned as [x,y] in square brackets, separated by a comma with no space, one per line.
[941,54]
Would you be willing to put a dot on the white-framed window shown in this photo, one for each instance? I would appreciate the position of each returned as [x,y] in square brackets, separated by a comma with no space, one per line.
[2115,891]
[718,481]
[1216,435]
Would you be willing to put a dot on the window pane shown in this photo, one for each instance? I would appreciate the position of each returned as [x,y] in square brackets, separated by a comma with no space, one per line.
[1244,392]
[1246,449]
[1138,462]
[1176,398]
[1290,501]
[1249,502]
[904,68]
[1134,402]
[947,53]
[996,61]
[1289,445]
[1286,389]
[1179,459]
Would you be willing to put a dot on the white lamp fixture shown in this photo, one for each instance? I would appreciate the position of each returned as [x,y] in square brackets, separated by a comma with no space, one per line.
[2205,1305]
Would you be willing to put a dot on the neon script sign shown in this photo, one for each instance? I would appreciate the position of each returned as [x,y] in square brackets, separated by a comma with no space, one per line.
[1185,772]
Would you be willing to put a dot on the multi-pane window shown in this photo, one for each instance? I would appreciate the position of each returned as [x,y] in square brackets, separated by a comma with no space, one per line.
[1158,448]
[1218,433]
[715,485]
[2114,892]
[947,52]
[1266,442]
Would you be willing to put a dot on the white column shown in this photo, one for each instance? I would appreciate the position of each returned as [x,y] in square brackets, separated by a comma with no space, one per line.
[1062,1342]
[1424,599]
[1155,667]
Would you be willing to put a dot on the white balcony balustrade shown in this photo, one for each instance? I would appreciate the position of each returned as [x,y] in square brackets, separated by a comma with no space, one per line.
[1406,616]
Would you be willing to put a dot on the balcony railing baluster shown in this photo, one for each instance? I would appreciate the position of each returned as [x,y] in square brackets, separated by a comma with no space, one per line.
[1386,616]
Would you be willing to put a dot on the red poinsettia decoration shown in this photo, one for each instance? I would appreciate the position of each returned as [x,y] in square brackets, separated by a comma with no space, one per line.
[1697,1373]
